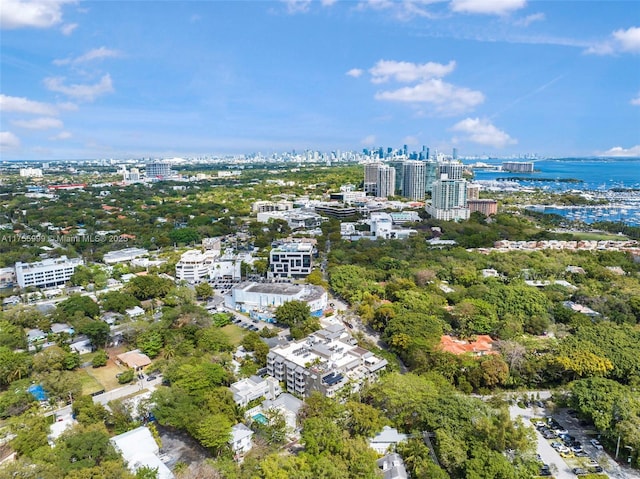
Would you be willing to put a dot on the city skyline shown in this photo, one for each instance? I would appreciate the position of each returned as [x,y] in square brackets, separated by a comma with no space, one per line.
[486,77]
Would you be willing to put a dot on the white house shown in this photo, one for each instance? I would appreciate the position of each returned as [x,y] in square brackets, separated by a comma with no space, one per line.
[255,387]
[240,441]
[289,406]
[386,440]
[134,312]
[139,449]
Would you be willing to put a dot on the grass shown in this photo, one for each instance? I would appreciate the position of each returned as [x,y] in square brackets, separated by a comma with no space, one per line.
[234,333]
[106,375]
[592,236]
[90,384]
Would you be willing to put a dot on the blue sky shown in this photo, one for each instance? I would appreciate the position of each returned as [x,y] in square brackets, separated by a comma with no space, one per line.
[121,79]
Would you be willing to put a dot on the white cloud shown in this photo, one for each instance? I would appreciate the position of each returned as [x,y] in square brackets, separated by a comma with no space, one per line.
[628,40]
[31,13]
[636,101]
[402,10]
[529,19]
[487,7]
[80,92]
[407,72]
[482,132]
[634,151]
[410,140]
[44,123]
[327,3]
[9,140]
[355,72]
[23,105]
[95,54]
[297,6]
[620,41]
[63,135]
[445,97]
[68,28]
[368,140]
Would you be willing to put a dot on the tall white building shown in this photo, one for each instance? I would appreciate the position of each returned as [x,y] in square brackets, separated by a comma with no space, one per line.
[431,173]
[453,169]
[31,172]
[195,266]
[46,273]
[386,181]
[158,170]
[449,199]
[414,179]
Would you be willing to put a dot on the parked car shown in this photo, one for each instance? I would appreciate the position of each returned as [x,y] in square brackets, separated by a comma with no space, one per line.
[556,444]
[578,471]
[595,443]
[151,378]
[596,469]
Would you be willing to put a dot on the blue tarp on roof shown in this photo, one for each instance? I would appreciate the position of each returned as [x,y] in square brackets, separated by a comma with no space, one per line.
[38,392]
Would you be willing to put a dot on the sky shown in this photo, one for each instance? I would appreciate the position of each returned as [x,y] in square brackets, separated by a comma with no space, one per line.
[154,79]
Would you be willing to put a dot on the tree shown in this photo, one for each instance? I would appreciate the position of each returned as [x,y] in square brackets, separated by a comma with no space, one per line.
[148,287]
[12,336]
[77,304]
[118,301]
[100,359]
[204,290]
[126,376]
[150,342]
[13,365]
[292,313]
[87,412]
[83,447]
[213,340]
[50,359]
[97,331]
[214,432]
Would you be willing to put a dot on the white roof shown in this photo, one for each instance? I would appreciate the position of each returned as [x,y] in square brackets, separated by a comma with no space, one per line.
[139,448]
[239,432]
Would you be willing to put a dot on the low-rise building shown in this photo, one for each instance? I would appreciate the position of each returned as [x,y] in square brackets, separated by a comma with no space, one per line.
[255,387]
[386,440]
[291,260]
[392,467]
[325,361]
[241,439]
[196,266]
[139,449]
[481,346]
[487,207]
[47,273]
[260,297]
[134,359]
[124,255]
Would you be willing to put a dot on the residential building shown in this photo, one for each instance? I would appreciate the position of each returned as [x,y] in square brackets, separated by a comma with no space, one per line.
[414,180]
[7,277]
[431,173]
[46,273]
[339,211]
[453,169]
[386,440]
[518,166]
[381,225]
[264,206]
[371,178]
[386,182]
[392,467]
[325,361]
[485,206]
[140,449]
[31,172]
[291,260]
[158,170]
[448,199]
[259,297]
[482,345]
[289,406]
[134,360]
[241,439]
[473,191]
[398,166]
[255,387]
[195,266]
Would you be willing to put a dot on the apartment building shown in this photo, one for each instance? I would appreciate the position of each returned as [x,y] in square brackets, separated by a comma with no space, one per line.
[291,260]
[325,361]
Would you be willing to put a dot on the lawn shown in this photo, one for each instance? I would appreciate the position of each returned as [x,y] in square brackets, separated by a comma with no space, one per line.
[106,375]
[595,236]
[90,384]
[234,333]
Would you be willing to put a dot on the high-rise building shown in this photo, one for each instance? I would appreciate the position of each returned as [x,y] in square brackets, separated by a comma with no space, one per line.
[431,173]
[413,181]
[455,154]
[158,170]
[399,167]
[473,191]
[386,181]
[518,166]
[371,178]
[453,169]
[449,199]
[487,207]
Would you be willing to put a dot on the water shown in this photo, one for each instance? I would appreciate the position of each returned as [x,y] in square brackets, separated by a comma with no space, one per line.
[597,176]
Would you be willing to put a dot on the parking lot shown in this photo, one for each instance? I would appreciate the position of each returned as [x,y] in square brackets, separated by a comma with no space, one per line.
[561,434]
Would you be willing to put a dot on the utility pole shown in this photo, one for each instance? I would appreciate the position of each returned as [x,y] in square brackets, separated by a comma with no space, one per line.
[618,447]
